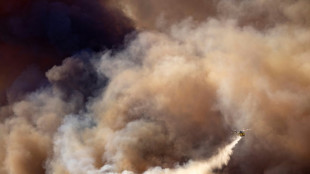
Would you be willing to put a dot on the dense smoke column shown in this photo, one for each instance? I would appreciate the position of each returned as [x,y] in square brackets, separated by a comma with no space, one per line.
[41,33]
[172,96]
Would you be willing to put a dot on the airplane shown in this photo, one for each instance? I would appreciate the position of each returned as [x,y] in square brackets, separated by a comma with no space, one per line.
[241,132]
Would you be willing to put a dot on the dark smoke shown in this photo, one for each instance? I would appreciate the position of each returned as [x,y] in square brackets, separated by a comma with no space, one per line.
[41,33]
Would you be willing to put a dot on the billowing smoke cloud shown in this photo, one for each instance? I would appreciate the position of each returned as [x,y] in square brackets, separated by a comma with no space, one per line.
[169,100]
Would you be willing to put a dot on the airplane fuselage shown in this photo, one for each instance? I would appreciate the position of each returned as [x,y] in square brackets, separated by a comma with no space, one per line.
[241,133]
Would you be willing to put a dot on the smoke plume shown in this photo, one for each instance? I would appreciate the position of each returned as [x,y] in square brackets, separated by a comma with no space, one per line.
[167,100]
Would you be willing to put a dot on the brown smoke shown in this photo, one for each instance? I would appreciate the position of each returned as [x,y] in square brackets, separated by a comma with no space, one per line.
[261,14]
[172,97]
[156,14]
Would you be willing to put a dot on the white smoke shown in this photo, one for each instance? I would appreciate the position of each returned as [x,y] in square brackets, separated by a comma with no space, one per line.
[75,155]
[201,167]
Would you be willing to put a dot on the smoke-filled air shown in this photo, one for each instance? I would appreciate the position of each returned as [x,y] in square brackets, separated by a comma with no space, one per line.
[155,87]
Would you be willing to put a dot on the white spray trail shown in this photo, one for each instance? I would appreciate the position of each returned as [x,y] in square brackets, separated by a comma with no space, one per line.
[201,167]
